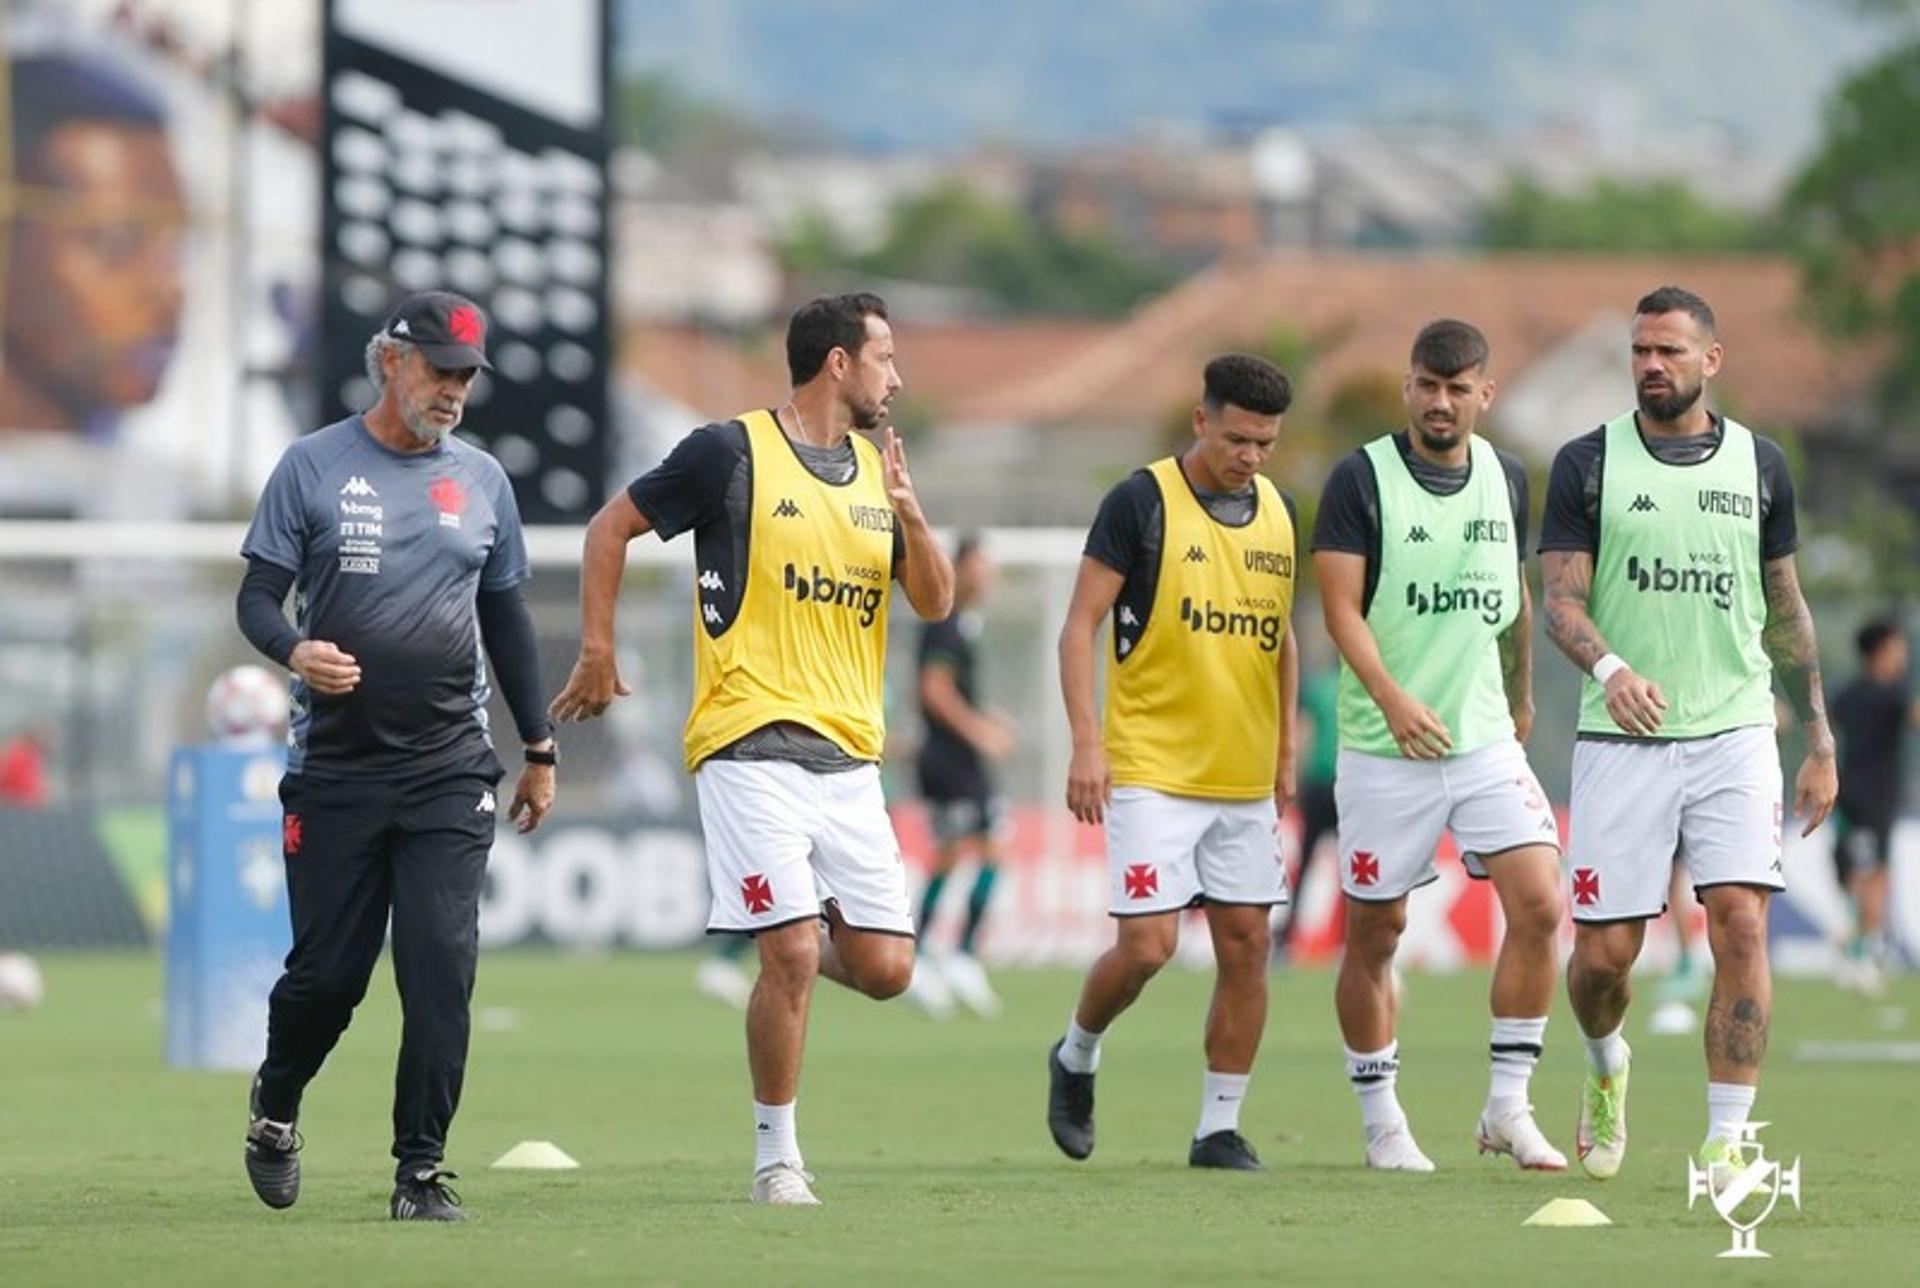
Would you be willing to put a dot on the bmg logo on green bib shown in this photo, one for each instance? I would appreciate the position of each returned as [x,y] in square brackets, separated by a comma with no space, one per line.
[1435,598]
[1661,578]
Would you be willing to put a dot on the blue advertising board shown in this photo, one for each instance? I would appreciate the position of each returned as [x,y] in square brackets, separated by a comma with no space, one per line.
[228,931]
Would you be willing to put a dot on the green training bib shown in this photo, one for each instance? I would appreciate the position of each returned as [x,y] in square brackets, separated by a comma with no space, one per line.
[1677,584]
[1449,586]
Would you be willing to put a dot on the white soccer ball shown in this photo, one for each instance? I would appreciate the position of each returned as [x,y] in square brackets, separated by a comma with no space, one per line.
[247,704]
[21,987]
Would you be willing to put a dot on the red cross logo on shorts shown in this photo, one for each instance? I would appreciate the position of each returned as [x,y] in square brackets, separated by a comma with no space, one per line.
[1366,868]
[1586,887]
[1142,880]
[290,834]
[756,894]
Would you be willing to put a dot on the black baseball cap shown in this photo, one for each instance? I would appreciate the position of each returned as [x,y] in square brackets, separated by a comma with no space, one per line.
[450,329]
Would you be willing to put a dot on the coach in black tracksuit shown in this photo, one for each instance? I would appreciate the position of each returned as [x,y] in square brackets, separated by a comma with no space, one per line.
[406,551]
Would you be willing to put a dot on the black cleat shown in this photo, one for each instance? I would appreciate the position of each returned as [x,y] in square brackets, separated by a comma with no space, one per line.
[426,1196]
[1228,1149]
[1069,1106]
[273,1155]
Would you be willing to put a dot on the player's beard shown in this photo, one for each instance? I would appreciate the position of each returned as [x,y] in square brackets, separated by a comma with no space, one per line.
[1441,442]
[1672,405]
[867,415]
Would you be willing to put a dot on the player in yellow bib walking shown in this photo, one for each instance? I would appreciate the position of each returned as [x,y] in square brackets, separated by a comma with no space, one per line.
[799,528]
[1668,559]
[1193,559]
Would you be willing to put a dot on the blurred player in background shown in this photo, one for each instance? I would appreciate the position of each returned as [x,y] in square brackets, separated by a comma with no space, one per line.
[799,527]
[1871,715]
[1319,813]
[1420,546]
[964,804]
[1670,582]
[405,550]
[1193,560]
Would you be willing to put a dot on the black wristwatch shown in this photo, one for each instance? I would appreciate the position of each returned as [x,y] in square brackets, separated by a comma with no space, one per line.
[550,756]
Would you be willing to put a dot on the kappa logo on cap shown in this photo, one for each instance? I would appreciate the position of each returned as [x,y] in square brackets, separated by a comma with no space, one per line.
[400,327]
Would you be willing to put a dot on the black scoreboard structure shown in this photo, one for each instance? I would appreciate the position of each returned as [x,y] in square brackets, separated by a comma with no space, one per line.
[464,148]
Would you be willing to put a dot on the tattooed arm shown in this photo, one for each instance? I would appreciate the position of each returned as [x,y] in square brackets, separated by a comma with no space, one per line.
[1634,702]
[1516,664]
[1790,645]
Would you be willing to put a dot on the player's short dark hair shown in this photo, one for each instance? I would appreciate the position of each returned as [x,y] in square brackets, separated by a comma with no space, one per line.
[1874,636]
[1678,299]
[828,323]
[1242,380]
[1448,346]
[51,90]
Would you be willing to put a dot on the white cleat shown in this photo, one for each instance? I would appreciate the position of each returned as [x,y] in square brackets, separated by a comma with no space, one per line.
[1394,1150]
[929,990]
[723,981]
[783,1185]
[1517,1135]
[966,978]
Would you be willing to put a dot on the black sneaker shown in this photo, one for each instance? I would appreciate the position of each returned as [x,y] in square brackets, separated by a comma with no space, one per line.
[273,1155]
[1228,1149]
[426,1196]
[1069,1106]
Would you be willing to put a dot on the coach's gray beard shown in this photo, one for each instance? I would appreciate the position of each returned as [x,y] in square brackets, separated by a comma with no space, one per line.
[424,429]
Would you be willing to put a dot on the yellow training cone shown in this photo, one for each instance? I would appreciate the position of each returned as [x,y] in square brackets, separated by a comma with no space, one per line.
[1568,1212]
[536,1156]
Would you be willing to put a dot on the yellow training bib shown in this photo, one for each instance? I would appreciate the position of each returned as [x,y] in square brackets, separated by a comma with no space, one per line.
[810,640]
[1194,707]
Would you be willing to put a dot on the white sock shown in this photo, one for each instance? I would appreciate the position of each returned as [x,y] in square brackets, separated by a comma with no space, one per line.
[1608,1055]
[1728,1104]
[774,1140]
[1220,1099]
[1373,1074]
[1080,1052]
[1515,1049]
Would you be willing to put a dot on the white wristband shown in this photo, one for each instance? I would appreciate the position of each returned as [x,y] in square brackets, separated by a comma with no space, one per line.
[1608,667]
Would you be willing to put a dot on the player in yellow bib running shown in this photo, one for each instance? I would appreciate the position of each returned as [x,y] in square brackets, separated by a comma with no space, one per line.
[799,527]
[1193,559]
[1667,552]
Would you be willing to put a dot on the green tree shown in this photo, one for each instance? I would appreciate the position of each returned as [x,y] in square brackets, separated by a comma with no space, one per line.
[1618,215]
[954,235]
[1855,209]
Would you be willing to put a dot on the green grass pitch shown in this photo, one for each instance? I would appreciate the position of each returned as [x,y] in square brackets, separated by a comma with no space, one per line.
[929,1146]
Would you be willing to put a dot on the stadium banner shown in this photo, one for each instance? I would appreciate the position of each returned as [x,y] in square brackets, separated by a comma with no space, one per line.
[477,165]
[158,219]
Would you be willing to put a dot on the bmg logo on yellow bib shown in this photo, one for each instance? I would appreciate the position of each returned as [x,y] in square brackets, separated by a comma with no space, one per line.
[1266,627]
[824,589]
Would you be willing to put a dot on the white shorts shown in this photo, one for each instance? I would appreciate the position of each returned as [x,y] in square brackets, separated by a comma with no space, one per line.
[1638,805]
[1167,852]
[1393,810]
[783,840]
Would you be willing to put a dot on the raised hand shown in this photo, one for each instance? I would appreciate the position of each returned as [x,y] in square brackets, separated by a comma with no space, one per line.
[899,483]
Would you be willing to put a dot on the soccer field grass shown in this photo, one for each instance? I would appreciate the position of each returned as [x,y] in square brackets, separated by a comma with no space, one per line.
[928,1142]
